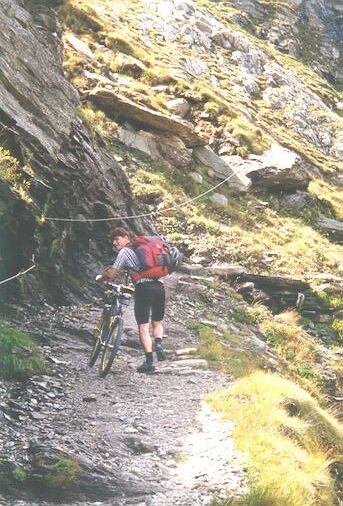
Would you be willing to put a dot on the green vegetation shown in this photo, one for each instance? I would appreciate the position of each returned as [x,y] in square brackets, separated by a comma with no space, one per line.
[287,437]
[9,174]
[80,17]
[158,75]
[64,474]
[329,193]
[228,352]
[294,345]
[249,136]
[337,326]
[97,121]
[121,41]
[19,474]
[253,314]
[19,357]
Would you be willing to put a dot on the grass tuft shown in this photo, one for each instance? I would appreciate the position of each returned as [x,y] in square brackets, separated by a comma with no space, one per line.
[80,17]
[64,474]
[19,357]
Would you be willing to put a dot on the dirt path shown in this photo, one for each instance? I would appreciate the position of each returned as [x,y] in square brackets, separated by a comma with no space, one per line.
[144,439]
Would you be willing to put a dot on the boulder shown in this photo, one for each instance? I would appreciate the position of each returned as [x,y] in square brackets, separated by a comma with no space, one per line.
[220,38]
[179,106]
[193,37]
[174,150]
[282,293]
[118,104]
[251,85]
[194,65]
[238,181]
[281,168]
[332,227]
[167,147]
[197,177]
[229,270]
[79,474]
[297,200]
[143,141]
[129,65]
[78,45]
[219,199]
[337,147]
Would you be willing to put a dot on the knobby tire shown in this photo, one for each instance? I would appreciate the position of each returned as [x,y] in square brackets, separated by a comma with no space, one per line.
[114,338]
[101,331]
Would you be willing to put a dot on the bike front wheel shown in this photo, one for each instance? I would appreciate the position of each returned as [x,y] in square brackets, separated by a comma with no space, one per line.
[100,333]
[112,345]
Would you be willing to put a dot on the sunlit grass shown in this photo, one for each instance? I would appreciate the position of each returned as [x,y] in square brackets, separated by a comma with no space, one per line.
[11,175]
[288,439]
[330,193]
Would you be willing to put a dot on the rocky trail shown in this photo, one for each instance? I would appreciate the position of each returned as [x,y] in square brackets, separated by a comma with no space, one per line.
[137,439]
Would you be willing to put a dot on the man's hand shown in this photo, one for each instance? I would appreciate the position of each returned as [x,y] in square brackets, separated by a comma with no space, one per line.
[107,275]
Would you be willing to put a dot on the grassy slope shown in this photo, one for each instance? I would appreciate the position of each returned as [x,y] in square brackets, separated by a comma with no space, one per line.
[292,243]
[290,441]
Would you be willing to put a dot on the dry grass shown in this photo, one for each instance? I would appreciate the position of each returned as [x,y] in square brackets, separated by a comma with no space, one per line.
[329,193]
[97,121]
[11,175]
[227,353]
[289,440]
[298,348]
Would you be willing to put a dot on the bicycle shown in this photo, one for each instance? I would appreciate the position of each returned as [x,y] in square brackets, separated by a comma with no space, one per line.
[110,328]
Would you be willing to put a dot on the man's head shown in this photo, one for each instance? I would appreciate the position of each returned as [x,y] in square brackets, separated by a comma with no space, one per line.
[120,237]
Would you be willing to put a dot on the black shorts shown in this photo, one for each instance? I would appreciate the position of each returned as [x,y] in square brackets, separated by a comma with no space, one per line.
[149,298]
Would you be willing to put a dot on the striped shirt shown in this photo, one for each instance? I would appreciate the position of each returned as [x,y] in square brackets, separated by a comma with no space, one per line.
[127,259]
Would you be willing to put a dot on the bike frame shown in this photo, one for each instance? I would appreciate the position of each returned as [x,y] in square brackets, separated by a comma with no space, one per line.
[111,312]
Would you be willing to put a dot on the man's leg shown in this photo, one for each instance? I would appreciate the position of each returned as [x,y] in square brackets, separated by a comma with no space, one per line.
[157,332]
[142,310]
[144,337]
[158,307]
[157,329]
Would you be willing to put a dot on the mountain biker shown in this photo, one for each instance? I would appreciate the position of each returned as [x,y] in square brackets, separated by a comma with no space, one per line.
[149,297]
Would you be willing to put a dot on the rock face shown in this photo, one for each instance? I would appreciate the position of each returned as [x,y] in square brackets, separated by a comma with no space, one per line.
[70,176]
[333,228]
[146,116]
[168,147]
[222,169]
[310,30]
[282,293]
[179,106]
[282,168]
[277,168]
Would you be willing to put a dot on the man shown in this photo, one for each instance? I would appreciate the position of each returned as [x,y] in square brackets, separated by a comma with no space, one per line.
[149,297]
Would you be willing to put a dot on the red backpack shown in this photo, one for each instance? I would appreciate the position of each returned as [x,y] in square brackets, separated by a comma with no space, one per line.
[153,256]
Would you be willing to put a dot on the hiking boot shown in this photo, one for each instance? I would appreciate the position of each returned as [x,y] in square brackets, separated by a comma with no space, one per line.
[146,367]
[161,354]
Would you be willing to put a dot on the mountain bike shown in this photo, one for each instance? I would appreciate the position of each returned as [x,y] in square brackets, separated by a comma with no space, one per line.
[109,330]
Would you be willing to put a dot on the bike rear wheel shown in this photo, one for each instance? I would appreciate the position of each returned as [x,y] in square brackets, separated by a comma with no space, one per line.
[112,345]
[101,332]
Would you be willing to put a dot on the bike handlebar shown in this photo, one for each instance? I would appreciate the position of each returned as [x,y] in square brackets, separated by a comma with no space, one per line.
[120,288]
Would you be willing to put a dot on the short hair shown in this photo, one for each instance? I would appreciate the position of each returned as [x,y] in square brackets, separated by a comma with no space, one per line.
[120,232]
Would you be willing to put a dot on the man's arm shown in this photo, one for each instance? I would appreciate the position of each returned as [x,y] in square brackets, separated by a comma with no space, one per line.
[107,275]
